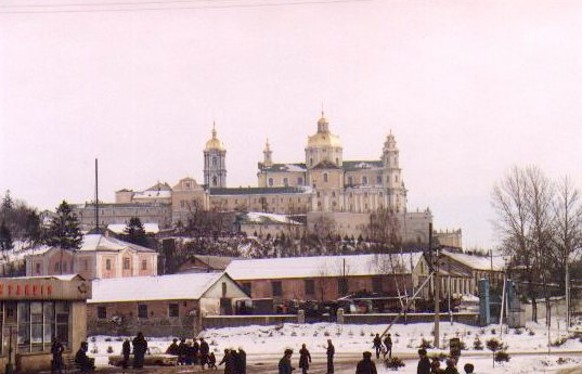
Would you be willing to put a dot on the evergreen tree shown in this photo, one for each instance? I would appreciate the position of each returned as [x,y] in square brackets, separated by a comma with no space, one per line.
[135,232]
[5,238]
[7,203]
[63,230]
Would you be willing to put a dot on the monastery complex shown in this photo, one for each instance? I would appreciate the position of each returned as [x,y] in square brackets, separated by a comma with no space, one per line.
[321,188]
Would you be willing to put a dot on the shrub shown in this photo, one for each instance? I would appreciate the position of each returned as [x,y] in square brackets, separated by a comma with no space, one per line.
[394,363]
[425,344]
[294,333]
[107,339]
[494,345]
[559,341]
[93,339]
[326,333]
[110,349]
[493,331]
[531,333]
[477,345]
[501,356]
[518,331]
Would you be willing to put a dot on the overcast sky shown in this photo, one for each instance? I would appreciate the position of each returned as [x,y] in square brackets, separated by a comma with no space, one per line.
[469,89]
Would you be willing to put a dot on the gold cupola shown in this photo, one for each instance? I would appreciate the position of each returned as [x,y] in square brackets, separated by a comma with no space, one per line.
[323,137]
[214,142]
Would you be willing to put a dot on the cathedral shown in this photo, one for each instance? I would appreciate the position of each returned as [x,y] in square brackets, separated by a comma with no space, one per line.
[323,186]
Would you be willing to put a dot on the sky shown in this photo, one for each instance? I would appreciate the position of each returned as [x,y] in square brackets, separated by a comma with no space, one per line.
[468,88]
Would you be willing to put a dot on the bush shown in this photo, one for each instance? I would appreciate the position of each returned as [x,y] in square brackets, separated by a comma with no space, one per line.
[477,345]
[518,331]
[326,333]
[93,339]
[107,339]
[394,363]
[493,331]
[501,356]
[493,345]
[110,349]
[559,341]
[425,344]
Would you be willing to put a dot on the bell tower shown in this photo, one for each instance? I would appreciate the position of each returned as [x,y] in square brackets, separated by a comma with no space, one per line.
[214,162]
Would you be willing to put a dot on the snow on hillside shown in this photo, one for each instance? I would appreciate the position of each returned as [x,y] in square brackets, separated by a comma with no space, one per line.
[527,347]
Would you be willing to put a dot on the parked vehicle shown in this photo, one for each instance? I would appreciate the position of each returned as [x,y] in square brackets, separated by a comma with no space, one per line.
[154,356]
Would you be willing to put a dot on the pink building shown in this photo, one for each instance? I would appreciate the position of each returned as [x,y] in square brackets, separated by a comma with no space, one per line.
[99,257]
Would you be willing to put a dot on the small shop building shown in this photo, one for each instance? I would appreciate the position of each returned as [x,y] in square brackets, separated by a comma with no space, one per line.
[165,305]
[33,310]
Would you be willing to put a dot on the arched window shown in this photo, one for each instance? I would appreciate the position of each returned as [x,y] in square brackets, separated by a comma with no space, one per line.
[270,182]
[364,180]
[214,162]
[214,181]
[325,177]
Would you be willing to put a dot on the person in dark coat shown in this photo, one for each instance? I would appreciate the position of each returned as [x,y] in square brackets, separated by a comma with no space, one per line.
[304,359]
[140,346]
[125,351]
[84,363]
[189,357]
[204,350]
[229,362]
[423,363]
[469,368]
[212,361]
[388,344]
[196,352]
[330,352]
[173,348]
[57,350]
[377,345]
[451,367]
[285,362]
[182,348]
[241,361]
[366,365]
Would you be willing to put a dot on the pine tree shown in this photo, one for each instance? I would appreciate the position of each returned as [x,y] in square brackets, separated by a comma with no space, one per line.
[135,232]
[63,230]
[5,238]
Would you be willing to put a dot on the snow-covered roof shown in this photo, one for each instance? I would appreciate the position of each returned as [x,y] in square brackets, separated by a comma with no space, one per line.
[190,286]
[64,277]
[152,194]
[486,263]
[268,218]
[97,242]
[119,228]
[323,266]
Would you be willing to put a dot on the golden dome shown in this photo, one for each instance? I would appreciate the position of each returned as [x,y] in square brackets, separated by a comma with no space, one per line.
[214,142]
[323,137]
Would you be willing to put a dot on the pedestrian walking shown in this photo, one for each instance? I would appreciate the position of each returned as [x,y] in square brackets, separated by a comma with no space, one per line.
[182,350]
[330,352]
[140,346]
[212,361]
[424,365]
[388,344]
[57,350]
[366,365]
[377,343]
[241,361]
[125,351]
[304,359]
[204,350]
[196,352]
[285,362]
[228,361]
[84,362]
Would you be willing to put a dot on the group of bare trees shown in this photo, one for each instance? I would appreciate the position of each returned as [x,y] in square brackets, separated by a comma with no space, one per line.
[540,224]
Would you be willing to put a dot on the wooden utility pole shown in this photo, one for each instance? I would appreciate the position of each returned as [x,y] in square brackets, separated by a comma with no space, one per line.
[437,288]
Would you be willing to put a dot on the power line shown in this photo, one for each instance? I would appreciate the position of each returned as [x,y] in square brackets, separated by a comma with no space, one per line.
[68,5]
[142,9]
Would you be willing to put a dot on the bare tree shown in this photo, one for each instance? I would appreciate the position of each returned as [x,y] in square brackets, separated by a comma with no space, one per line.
[384,229]
[510,199]
[567,238]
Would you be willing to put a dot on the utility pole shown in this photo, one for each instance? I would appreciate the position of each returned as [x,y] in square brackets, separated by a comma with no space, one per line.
[437,288]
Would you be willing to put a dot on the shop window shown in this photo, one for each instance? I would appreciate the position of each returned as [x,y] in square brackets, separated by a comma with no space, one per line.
[277,288]
[102,312]
[173,310]
[142,311]
[37,324]
[144,265]
[126,263]
[108,264]
[309,287]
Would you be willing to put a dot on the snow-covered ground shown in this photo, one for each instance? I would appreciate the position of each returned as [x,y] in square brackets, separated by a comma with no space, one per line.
[528,347]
